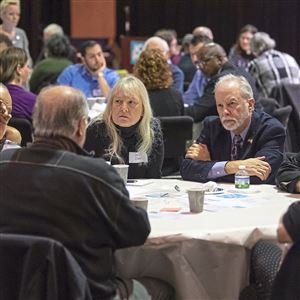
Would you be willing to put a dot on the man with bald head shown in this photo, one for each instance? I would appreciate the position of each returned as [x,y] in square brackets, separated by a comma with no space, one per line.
[64,194]
[213,63]
[156,42]
[237,136]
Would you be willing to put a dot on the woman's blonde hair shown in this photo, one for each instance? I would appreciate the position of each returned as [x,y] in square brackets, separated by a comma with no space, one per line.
[5,3]
[129,86]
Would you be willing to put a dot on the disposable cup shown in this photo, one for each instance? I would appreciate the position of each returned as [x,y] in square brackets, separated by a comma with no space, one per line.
[123,171]
[196,199]
[141,202]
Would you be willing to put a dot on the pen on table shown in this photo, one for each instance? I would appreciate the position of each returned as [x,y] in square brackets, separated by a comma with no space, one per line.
[131,180]
[177,188]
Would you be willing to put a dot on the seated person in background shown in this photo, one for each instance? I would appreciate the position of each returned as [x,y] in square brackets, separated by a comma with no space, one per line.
[127,132]
[92,77]
[10,137]
[288,176]
[154,71]
[66,189]
[156,42]
[203,31]
[213,62]
[14,73]
[271,67]
[240,53]
[5,42]
[186,65]
[57,50]
[239,136]
[55,29]
[170,36]
[196,87]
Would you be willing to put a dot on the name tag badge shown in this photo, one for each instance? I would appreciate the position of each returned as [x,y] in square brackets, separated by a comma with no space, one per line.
[96,92]
[138,157]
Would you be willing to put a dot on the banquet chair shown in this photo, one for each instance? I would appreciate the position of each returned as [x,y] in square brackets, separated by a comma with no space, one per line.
[39,268]
[289,94]
[283,114]
[177,130]
[25,128]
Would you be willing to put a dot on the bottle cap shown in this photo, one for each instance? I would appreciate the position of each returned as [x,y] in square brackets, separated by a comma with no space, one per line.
[242,167]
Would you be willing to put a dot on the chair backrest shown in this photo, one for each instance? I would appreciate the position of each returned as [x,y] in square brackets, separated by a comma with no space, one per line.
[25,128]
[289,94]
[283,114]
[269,105]
[34,267]
[177,130]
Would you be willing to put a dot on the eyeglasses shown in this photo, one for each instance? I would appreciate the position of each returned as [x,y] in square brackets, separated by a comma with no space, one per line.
[129,103]
[201,63]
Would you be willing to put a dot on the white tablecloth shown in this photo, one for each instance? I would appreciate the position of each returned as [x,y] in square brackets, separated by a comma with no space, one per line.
[206,255]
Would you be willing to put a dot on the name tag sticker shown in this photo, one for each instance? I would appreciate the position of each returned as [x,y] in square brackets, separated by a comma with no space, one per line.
[138,157]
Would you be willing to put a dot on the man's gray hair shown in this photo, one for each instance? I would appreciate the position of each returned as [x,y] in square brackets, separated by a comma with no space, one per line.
[159,42]
[54,29]
[58,111]
[261,42]
[203,31]
[243,84]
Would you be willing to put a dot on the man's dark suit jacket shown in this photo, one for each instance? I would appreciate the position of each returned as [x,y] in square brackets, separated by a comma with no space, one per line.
[265,137]
[206,104]
[289,172]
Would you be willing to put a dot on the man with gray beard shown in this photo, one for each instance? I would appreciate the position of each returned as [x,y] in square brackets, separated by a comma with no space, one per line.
[238,136]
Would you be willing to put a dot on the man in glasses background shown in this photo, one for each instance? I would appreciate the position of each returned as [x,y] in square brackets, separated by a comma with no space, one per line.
[213,62]
[196,87]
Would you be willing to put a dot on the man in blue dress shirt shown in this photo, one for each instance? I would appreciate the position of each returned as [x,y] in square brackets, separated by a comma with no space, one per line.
[92,77]
[196,87]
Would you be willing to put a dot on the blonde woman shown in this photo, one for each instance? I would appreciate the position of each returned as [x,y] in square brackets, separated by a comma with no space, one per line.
[10,15]
[127,132]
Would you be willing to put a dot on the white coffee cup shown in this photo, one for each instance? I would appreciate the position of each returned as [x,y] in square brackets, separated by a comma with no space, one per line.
[196,199]
[123,171]
[140,201]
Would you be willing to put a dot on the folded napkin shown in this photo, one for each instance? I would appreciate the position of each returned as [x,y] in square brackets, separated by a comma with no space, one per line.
[210,186]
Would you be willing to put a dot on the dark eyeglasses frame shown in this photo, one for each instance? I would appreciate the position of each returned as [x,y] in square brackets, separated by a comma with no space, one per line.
[201,63]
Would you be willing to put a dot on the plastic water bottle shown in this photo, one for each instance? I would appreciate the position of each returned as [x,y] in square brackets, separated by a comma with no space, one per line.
[242,178]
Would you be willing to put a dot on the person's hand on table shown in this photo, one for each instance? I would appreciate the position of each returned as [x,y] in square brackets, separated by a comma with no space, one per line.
[254,166]
[198,152]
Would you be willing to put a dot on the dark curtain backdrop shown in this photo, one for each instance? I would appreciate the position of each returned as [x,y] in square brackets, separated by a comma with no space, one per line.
[280,18]
[37,14]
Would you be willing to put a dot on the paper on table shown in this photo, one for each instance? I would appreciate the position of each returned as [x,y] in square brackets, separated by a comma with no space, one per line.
[224,201]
